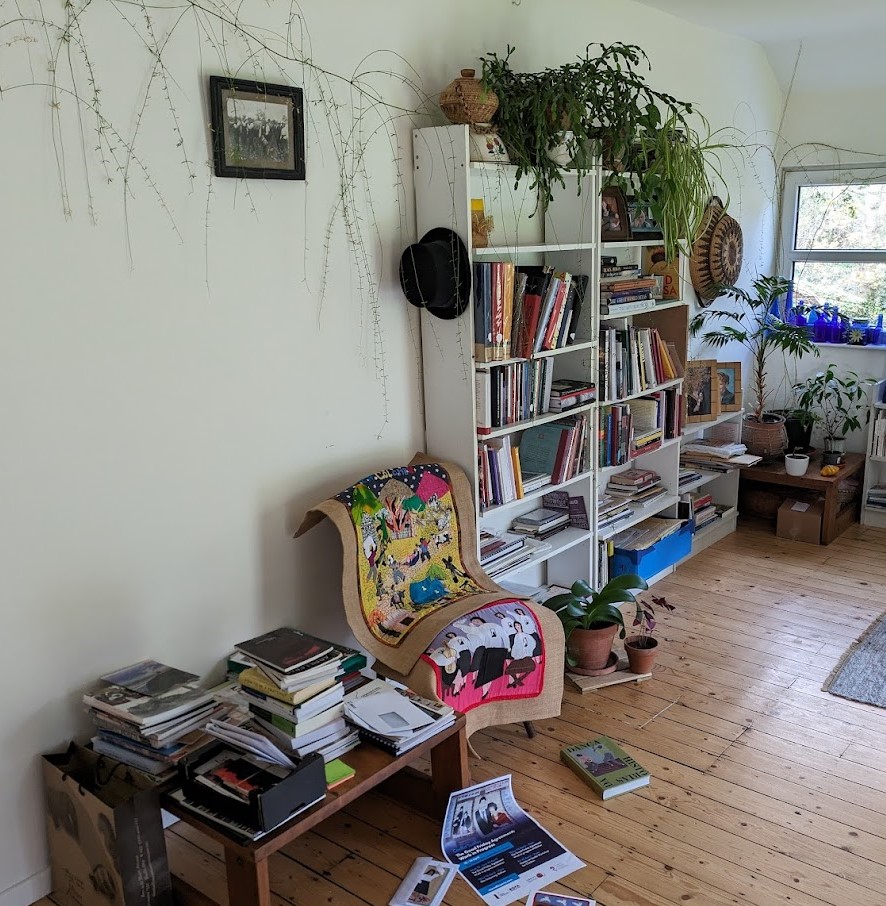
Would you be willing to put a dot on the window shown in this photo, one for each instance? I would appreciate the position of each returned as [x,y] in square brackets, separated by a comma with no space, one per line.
[834,237]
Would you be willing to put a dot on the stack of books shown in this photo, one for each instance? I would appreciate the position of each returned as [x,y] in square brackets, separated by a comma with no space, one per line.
[394,718]
[636,486]
[150,716]
[295,691]
[717,456]
[877,496]
[703,510]
[568,393]
[688,476]
[612,511]
[541,522]
[620,294]
[494,547]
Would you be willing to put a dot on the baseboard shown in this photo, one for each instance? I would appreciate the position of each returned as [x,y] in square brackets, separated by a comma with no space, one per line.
[28,891]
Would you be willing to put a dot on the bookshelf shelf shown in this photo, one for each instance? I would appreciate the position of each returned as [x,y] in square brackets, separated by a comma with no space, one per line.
[635,396]
[531,422]
[659,306]
[629,243]
[514,506]
[559,544]
[706,478]
[501,251]
[640,513]
[606,471]
[542,354]
[698,427]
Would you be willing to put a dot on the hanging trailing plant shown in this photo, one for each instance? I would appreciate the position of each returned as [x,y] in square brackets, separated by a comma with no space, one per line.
[604,107]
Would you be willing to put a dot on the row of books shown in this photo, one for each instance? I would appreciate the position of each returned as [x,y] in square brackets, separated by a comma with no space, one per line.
[877,496]
[628,430]
[512,393]
[635,359]
[519,310]
[878,434]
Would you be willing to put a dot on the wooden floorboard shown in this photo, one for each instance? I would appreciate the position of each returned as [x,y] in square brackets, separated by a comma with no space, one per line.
[765,790]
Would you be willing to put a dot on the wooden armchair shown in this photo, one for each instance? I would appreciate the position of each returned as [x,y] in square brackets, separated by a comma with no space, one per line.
[416,598]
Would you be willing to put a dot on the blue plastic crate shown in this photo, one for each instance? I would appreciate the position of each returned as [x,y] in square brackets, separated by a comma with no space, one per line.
[652,560]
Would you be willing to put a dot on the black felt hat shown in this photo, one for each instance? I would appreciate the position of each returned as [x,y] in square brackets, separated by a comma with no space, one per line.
[435,273]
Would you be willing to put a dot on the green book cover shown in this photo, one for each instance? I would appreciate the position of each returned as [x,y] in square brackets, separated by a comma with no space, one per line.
[605,766]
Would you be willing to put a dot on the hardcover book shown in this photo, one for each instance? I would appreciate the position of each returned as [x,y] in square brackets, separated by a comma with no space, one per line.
[605,767]
[285,649]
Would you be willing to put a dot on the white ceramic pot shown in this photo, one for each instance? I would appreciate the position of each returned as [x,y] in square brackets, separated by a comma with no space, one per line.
[796,464]
[486,145]
[562,154]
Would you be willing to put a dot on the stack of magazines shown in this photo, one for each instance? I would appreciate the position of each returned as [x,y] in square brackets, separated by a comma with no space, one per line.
[150,716]
[394,718]
[294,691]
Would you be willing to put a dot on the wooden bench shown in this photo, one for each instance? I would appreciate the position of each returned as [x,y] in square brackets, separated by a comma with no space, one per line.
[836,517]
[246,862]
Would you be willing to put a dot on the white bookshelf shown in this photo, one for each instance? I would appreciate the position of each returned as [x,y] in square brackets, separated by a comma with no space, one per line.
[875,465]
[566,236]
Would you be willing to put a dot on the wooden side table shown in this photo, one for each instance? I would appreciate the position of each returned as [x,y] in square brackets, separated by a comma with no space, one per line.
[246,862]
[835,519]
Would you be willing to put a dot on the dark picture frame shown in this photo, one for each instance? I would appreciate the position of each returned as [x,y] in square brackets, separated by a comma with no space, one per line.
[702,390]
[258,130]
[729,383]
[613,215]
[643,224]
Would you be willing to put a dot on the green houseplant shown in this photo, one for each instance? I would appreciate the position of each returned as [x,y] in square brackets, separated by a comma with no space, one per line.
[836,401]
[758,329]
[591,619]
[604,107]
[642,647]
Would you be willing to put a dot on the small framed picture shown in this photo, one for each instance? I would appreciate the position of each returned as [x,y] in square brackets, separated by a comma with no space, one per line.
[258,130]
[701,388]
[729,385]
[643,224]
[613,215]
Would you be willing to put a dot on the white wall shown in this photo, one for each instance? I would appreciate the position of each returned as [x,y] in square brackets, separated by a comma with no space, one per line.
[830,119]
[160,438]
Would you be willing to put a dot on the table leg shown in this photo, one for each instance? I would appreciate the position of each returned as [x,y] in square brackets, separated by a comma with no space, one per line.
[249,882]
[829,516]
[449,768]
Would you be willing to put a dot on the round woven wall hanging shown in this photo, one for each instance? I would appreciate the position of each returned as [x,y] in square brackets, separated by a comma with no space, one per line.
[716,254]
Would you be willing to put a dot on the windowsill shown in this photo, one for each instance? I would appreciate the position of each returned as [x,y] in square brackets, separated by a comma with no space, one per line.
[868,348]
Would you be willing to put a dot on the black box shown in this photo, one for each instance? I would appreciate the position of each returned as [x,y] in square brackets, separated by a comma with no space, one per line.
[265,809]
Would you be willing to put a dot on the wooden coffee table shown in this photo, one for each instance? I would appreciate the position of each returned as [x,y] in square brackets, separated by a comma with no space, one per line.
[246,862]
[835,519]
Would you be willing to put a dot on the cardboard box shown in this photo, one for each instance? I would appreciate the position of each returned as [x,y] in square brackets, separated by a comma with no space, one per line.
[799,521]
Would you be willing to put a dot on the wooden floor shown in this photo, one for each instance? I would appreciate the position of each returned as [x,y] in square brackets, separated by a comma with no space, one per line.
[765,790]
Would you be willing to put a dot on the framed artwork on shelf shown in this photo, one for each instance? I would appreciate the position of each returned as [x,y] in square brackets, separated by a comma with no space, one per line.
[729,383]
[613,215]
[643,225]
[258,130]
[702,390]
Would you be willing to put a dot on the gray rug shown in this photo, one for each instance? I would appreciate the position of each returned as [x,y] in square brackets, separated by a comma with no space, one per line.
[861,673]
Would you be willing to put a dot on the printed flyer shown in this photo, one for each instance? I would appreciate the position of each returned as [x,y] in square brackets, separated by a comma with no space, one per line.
[502,853]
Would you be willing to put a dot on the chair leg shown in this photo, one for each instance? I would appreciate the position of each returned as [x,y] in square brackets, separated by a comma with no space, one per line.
[530,730]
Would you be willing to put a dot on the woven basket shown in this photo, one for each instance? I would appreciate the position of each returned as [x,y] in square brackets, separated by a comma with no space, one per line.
[847,491]
[465,100]
[767,439]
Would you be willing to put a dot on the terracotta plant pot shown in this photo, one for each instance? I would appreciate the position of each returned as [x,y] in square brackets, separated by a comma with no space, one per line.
[591,649]
[641,660]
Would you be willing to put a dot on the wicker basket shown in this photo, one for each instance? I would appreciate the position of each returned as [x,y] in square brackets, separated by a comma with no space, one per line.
[767,439]
[465,100]
[847,491]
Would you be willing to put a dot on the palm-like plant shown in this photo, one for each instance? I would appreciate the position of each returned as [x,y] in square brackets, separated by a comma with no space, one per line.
[758,328]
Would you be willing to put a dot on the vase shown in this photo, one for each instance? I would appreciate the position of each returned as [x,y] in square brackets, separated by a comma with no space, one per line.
[592,650]
[485,145]
[641,659]
[465,100]
[562,153]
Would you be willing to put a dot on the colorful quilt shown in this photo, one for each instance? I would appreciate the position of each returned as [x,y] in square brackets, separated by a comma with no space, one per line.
[407,533]
[494,653]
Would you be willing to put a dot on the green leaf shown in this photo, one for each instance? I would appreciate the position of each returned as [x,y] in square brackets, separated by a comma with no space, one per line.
[581,589]
[628,580]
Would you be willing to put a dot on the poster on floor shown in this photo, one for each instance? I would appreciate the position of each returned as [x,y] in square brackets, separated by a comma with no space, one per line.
[502,853]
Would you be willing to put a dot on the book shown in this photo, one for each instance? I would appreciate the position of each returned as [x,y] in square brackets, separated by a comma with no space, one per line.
[337,773]
[259,682]
[425,884]
[148,710]
[605,767]
[149,678]
[302,727]
[287,649]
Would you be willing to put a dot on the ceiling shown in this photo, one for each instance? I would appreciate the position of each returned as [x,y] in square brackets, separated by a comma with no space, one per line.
[776,21]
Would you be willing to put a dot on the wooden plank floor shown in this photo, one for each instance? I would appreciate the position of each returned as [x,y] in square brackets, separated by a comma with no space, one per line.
[765,790]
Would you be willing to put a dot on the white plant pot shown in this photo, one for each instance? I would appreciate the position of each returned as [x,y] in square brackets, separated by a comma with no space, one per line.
[796,464]
[561,154]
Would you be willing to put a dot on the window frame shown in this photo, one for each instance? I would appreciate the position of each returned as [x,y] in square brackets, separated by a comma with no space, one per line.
[795,178]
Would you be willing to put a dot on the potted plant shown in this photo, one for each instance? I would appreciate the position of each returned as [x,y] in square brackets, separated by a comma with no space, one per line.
[837,401]
[762,332]
[592,618]
[600,105]
[642,647]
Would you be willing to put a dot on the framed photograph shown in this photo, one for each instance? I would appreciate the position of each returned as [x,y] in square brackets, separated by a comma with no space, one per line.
[702,390]
[642,223]
[729,385]
[613,215]
[258,130]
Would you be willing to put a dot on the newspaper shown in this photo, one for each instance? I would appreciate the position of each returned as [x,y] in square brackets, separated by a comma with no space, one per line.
[502,853]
